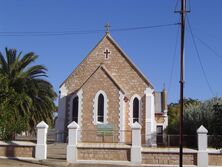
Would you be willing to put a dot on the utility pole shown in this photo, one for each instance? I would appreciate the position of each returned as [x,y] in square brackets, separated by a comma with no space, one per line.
[183,16]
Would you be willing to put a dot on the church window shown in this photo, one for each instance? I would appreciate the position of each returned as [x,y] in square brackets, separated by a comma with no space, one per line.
[100,112]
[75,109]
[135,110]
[100,108]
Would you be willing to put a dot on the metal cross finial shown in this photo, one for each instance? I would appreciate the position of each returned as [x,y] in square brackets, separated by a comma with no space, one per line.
[107,26]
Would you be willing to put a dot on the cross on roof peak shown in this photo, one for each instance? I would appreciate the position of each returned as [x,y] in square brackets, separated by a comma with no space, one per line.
[107,27]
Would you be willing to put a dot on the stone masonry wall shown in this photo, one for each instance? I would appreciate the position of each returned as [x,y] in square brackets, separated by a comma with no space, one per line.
[17,151]
[116,64]
[99,81]
[104,154]
[168,158]
[120,69]
[215,159]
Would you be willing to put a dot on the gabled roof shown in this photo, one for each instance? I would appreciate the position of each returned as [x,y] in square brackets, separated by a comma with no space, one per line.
[108,36]
[130,61]
[82,60]
[105,70]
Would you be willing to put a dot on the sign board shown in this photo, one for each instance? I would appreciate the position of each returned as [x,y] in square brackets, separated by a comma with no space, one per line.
[104,129]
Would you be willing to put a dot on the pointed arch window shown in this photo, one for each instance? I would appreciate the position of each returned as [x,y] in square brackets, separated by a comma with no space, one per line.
[100,108]
[75,109]
[135,110]
[100,112]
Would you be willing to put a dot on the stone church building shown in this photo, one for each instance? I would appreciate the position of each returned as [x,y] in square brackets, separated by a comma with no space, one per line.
[108,89]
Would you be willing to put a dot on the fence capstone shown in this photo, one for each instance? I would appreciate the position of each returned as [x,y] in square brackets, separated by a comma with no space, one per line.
[41,146]
[202,155]
[72,142]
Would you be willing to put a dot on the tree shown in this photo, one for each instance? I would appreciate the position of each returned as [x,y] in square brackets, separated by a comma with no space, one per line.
[10,120]
[196,113]
[28,81]
[216,140]
[174,114]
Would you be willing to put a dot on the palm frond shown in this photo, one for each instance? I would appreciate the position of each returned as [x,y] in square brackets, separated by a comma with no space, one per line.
[36,95]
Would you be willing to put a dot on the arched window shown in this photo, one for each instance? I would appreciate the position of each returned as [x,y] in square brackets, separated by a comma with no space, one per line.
[75,109]
[100,108]
[135,110]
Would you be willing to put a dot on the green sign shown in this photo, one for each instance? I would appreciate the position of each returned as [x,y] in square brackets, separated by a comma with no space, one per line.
[104,129]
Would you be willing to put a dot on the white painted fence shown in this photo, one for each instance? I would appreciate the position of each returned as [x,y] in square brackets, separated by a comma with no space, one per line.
[136,149]
[41,146]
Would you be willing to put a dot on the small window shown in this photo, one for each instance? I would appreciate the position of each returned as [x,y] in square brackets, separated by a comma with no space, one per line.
[135,110]
[100,112]
[75,109]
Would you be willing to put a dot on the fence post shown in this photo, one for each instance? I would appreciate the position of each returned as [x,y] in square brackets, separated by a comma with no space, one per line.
[72,142]
[202,155]
[136,143]
[41,146]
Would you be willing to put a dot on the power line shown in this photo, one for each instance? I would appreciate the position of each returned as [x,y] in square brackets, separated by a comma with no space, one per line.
[175,8]
[199,59]
[62,33]
[209,47]
[189,7]
[174,58]
[215,53]
[49,33]
[145,27]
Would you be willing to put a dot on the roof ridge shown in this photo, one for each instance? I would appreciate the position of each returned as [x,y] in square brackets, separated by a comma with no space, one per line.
[112,78]
[130,61]
[107,35]
[83,59]
[105,70]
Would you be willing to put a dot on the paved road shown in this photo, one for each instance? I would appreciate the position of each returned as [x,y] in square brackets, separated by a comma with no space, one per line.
[28,163]
[18,163]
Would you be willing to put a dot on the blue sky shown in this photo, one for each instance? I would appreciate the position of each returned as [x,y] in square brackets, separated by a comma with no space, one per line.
[152,50]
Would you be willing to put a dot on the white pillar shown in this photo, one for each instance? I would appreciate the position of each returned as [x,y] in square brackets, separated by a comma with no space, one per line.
[202,155]
[60,122]
[41,146]
[72,142]
[136,157]
[150,129]
[121,117]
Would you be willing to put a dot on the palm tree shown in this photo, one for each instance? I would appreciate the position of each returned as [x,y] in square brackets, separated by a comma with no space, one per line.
[29,80]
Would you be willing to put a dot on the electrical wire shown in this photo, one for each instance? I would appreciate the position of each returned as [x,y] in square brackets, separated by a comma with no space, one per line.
[204,43]
[62,33]
[173,63]
[175,8]
[209,47]
[145,27]
[199,58]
